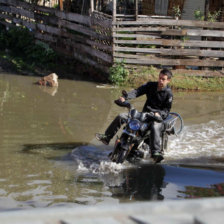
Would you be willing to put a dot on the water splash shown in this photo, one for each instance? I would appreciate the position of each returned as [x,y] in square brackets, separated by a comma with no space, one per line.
[95,160]
[199,143]
[201,140]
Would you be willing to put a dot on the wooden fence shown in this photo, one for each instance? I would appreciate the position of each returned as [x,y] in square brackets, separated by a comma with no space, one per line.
[169,42]
[100,39]
[86,38]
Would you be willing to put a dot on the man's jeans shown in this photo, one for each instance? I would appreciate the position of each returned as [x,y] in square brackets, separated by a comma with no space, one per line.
[156,129]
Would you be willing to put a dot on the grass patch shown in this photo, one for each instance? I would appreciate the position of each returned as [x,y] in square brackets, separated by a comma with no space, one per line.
[180,81]
[184,82]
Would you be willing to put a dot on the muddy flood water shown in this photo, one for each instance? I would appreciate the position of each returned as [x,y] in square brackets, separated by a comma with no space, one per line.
[49,157]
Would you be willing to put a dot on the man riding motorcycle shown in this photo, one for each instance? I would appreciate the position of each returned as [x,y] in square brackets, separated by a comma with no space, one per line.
[159,101]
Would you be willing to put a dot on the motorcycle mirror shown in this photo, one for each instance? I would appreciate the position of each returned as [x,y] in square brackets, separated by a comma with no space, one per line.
[123,104]
[124,93]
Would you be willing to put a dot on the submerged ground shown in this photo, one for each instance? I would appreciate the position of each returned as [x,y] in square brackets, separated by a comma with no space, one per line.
[50,157]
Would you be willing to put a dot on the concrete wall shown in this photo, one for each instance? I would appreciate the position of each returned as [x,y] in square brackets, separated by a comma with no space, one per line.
[192,211]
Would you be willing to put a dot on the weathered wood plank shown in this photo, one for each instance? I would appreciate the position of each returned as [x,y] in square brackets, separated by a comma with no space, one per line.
[48,29]
[83,58]
[7,24]
[76,27]
[28,6]
[93,52]
[5,9]
[83,30]
[173,52]
[174,32]
[73,17]
[173,43]
[45,37]
[27,24]
[171,62]
[22,12]
[16,3]
[117,35]
[183,33]
[43,9]
[106,23]
[193,32]
[50,20]
[90,61]
[99,46]
[172,22]
[87,50]
[140,29]
[6,16]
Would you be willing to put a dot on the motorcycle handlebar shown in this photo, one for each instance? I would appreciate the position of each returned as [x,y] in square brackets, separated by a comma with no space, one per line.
[123,104]
[152,117]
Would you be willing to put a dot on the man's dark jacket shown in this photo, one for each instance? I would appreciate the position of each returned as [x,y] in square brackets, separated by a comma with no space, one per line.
[159,101]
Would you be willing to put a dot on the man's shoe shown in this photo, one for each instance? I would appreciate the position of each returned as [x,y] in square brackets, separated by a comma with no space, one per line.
[103,138]
[157,157]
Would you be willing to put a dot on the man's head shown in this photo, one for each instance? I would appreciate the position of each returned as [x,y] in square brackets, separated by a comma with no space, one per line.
[165,76]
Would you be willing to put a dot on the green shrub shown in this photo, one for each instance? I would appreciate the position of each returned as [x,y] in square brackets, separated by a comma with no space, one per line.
[18,40]
[118,73]
[213,17]
[3,37]
[199,15]
[40,53]
[176,11]
[25,51]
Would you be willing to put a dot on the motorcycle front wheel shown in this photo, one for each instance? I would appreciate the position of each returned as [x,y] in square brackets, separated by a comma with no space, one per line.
[119,155]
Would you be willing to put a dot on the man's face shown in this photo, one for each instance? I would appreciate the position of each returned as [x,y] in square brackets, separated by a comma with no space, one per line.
[162,81]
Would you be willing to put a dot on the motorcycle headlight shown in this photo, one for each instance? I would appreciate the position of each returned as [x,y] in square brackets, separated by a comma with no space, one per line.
[134,125]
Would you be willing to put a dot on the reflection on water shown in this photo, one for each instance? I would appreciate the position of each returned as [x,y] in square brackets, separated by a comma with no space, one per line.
[142,184]
[49,156]
[52,90]
[199,192]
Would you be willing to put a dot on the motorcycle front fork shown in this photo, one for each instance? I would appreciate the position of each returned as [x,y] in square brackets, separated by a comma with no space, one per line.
[164,141]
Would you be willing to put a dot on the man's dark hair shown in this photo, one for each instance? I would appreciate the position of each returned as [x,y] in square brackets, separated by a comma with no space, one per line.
[167,72]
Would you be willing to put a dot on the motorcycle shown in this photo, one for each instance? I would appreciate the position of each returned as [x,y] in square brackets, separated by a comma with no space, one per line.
[134,142]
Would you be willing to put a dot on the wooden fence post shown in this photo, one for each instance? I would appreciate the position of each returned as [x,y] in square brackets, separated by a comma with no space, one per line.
[206,9]
[136,10]
[91,6]
[114,10]
[61,5]
[113,28]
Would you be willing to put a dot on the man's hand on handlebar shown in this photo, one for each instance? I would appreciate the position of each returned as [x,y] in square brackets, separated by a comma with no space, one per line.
[155,116]
[122,99]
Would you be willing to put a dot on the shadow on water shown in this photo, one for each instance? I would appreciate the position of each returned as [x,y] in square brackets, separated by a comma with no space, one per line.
[73,151]
[29,148]
[53,151]
[142,184]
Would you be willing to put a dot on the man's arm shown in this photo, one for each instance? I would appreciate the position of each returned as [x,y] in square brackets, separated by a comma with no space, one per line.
[138,92]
